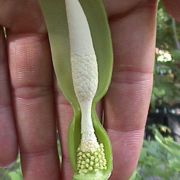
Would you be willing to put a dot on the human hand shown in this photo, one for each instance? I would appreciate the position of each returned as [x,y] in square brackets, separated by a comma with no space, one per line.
[30,101]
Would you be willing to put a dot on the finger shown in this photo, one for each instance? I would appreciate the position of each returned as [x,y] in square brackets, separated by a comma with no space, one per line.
[8,141]
[65,114]
[31,76]
[127,102]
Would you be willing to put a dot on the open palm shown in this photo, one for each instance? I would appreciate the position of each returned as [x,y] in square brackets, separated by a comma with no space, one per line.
[30,102]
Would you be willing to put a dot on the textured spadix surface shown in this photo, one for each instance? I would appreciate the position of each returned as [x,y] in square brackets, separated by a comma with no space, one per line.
[90,155]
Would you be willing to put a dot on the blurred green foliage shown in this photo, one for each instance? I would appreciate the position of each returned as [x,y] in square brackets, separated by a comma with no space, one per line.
[165,34]
[11,173]
[167,82]
[167,64]
[160,159]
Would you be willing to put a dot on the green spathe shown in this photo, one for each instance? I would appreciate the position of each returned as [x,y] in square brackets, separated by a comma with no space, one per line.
[56,21]
[92,176]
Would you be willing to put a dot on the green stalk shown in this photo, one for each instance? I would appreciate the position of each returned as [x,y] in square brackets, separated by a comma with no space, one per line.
[56,21]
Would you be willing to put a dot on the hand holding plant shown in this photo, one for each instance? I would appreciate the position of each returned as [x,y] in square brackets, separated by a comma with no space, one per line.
[32,108]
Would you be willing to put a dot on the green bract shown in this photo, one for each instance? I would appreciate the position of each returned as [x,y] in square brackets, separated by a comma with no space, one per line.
[96,165]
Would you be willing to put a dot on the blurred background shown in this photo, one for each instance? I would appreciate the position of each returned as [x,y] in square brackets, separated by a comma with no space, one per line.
[160,156]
